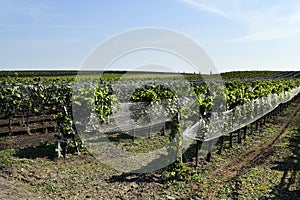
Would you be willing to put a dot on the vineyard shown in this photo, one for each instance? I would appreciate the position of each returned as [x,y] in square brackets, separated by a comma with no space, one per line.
[192,116]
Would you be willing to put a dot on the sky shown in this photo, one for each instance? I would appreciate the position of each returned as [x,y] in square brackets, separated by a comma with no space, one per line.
[236,34]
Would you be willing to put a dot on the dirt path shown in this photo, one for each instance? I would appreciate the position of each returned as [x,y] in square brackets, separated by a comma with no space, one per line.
[249,158]
[23,141]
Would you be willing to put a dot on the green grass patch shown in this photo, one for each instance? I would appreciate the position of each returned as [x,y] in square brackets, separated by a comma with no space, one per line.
[6,156]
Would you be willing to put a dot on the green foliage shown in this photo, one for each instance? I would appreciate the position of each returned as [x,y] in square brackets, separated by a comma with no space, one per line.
[176,171]
[65,123]
[5,156]
[150,96]
[248,74]
[104,100]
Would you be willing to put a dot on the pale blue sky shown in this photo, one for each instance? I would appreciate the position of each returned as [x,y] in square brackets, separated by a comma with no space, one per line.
[236,34]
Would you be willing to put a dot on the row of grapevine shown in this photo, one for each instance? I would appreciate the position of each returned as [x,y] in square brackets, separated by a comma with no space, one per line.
[57,98]
[258,98]
[40,98]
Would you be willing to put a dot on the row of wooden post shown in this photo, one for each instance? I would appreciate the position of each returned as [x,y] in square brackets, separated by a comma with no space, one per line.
[260,122]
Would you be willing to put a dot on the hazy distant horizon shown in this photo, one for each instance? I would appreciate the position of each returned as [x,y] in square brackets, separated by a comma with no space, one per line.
[136,71]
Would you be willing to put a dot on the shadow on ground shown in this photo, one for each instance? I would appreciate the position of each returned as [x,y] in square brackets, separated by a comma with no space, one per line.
[291,171]
[45,150]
